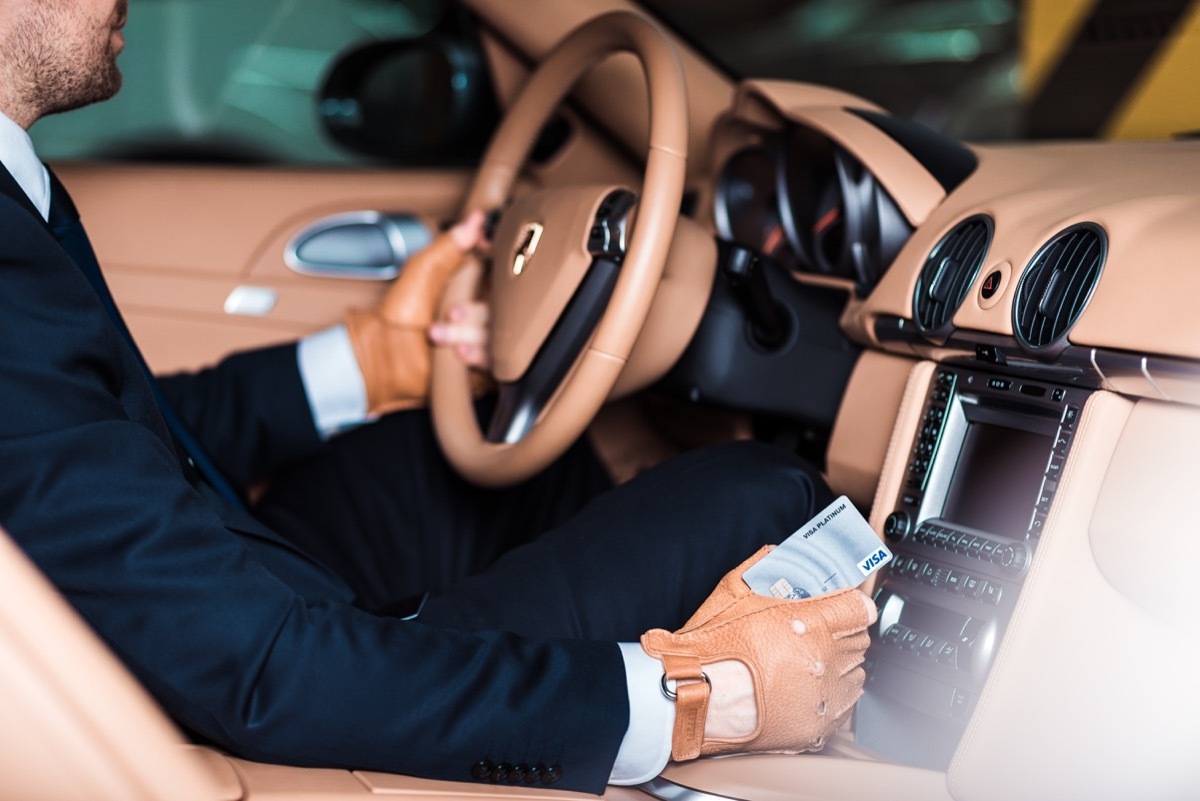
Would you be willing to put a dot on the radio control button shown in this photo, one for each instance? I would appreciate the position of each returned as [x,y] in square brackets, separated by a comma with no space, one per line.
[960,704]
[948,654]
[909,639]
[928,647]
[896,526]
[953,582]
[970,585]
[977,547]
[992,594]
[1070,416]
[989,550]
[1020,557]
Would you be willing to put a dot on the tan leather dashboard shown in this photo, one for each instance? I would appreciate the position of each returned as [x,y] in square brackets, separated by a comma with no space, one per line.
[1136,333]
[1143,194]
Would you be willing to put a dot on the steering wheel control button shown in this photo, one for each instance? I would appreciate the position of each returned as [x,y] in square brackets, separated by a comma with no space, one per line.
[608,233]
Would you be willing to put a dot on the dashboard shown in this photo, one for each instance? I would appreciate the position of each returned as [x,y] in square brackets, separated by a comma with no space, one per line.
[1035,306]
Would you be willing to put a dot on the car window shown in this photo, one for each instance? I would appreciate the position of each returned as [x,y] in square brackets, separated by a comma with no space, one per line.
[950,64]
[229,80]
[973,69]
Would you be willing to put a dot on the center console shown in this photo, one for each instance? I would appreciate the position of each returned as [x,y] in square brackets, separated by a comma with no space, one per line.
[979,485]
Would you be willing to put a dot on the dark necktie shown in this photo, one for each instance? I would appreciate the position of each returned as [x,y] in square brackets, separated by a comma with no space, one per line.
[64,222]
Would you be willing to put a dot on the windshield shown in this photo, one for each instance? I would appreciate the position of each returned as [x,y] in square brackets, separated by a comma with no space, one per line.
[974,69]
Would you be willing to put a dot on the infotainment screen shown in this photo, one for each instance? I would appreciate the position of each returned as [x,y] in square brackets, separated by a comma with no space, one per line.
[997,478]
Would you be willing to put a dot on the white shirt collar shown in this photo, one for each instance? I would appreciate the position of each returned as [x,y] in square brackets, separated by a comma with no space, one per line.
[20,159]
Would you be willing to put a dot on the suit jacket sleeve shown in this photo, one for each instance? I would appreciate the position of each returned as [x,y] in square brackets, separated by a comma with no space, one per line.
[93,491]
[250,411]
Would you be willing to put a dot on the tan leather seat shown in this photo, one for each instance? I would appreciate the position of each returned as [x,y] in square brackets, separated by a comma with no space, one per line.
[74,724]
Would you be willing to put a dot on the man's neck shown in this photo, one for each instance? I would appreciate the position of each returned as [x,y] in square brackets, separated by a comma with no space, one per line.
[14,102]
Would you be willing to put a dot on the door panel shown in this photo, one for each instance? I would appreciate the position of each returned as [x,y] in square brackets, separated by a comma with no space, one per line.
[174,242]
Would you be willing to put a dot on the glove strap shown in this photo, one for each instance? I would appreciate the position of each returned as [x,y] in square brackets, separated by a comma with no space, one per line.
[692,691]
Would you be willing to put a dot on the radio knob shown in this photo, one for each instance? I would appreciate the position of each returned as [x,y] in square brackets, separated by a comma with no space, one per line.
[896,526]
[1012,557]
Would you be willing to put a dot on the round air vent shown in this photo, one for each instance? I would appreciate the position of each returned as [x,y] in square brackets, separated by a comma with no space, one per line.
[1057,285]
[949,272]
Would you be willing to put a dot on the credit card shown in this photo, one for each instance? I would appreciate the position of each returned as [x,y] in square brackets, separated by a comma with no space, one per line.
[835,550]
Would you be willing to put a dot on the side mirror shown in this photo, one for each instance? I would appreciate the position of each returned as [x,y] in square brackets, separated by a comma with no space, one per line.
[427,101]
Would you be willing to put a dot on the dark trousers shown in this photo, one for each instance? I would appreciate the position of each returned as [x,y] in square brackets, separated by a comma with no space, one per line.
[561,555]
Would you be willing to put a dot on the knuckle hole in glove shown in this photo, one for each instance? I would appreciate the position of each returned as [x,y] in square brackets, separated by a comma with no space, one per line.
[817,668]
[799,627]
[822,708]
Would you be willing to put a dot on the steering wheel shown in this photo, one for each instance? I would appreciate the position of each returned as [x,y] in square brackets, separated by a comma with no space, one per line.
[572,277]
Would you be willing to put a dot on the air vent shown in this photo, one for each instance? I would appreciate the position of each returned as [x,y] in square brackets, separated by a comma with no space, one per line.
[1057,285]
[949,272]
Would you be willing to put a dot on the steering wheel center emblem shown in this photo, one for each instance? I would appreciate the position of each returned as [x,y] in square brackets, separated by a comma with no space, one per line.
[531,234]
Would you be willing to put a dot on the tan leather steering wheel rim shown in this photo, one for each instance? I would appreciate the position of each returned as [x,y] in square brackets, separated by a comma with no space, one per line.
[581,394]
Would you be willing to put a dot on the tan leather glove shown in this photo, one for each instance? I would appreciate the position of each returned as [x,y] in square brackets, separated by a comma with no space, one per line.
[804,659]
[390,342]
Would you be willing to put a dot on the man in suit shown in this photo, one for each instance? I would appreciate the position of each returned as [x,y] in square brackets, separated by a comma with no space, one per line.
[289,642]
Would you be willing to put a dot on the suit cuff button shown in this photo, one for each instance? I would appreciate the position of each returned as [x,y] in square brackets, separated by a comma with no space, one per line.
[533,774]
[551,774]
[482,770]
[500,774]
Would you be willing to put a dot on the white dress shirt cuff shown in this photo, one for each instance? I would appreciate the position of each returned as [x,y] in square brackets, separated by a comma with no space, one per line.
[647,745]
[332,381]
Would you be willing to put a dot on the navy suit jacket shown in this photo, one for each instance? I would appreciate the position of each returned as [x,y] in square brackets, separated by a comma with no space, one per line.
[243,638]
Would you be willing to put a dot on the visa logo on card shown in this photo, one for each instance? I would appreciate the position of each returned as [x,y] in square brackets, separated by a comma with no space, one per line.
[835,550]
[874,561]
